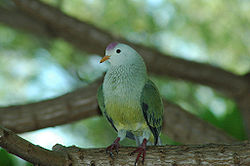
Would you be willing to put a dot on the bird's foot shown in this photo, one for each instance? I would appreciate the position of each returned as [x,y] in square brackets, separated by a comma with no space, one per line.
[141,151]
[114,146]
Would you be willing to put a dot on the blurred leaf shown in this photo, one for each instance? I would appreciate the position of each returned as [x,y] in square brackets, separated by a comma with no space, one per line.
[28,164]
[233,124]
[6,159]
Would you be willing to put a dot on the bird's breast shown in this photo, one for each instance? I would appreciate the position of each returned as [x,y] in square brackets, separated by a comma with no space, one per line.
[123,106]
[122,91]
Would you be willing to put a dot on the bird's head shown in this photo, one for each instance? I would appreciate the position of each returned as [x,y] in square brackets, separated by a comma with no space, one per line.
[120,54]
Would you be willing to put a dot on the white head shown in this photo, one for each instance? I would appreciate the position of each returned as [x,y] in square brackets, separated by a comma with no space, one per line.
[121,54]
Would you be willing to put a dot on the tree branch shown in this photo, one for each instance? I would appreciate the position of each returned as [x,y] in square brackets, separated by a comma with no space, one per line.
[19,20]
[178,124]
[186,128]
[94,40]
[45,20]
[210,154]
[73,106]
[29,152]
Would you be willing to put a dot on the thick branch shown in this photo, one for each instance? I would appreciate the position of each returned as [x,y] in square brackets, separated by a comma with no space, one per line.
[29,152]
[210,154]
[45,20]
[81,104]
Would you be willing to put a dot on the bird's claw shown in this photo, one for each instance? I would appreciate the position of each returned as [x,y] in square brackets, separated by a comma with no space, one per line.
[141,152]
[114,146]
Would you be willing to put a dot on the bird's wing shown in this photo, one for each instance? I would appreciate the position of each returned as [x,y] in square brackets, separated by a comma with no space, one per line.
[100,100]
[152,107]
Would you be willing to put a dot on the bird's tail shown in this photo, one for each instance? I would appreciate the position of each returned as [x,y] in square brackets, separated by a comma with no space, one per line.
[159,142]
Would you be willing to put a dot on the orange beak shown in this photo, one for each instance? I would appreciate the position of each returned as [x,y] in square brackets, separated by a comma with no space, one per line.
[106,57]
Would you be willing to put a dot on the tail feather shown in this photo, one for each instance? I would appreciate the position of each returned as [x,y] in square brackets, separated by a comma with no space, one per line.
[159,142]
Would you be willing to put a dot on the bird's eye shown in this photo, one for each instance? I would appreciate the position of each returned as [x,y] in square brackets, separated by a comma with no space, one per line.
[118,51]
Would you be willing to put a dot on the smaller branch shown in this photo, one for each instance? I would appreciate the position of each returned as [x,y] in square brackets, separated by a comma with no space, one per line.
[19,20]
[186,128]
[29,152]
[209,154]
[244,104]
[67,108]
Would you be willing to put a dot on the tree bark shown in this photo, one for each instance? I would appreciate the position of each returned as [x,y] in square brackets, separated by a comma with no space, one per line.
[29,152]
[45,20]
[178,124]
[209,154]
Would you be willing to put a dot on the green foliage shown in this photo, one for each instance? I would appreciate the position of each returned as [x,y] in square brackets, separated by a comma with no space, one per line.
[219,26]
[28,164]
[6,159]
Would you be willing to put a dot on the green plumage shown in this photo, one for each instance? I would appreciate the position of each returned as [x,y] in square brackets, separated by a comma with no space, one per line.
[151,109]
[127,98]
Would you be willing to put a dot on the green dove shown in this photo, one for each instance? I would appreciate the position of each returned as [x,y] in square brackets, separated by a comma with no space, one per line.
[129,100]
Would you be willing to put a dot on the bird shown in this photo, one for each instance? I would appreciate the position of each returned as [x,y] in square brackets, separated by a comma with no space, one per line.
[129,100]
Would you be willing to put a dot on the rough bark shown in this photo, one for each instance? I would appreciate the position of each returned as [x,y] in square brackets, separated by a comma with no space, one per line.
[29,152]
[179,125]
[45,20]
[209,154]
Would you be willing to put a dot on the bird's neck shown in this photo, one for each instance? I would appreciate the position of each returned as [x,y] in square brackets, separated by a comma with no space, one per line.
[125,79]
[127,73]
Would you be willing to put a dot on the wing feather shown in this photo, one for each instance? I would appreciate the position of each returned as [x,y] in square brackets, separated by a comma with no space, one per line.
[152,107]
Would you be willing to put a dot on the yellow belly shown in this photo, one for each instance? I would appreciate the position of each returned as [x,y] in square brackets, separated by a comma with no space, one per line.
[126,117]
